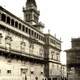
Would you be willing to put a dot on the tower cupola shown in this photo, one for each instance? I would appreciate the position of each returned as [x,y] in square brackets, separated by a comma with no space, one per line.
[31,14]
[30,3]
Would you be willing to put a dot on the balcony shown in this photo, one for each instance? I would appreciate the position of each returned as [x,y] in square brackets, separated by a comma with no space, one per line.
[21,55]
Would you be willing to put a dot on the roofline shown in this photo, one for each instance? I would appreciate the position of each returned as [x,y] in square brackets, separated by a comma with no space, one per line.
[26,23]
[53,37]
[72,49]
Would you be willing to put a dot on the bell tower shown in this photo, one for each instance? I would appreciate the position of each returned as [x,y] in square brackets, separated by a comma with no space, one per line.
[31,14]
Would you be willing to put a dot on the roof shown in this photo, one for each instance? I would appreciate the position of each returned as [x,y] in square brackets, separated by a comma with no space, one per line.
[73,49]
[76,39]
[30,2]
[47,34]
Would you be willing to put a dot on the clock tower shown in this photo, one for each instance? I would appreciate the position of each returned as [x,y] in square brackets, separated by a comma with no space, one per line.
[31,14]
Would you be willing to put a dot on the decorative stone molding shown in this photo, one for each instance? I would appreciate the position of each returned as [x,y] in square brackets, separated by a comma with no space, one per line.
[8,38]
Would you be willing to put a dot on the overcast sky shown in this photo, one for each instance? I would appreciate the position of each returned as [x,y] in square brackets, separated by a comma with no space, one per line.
[62,17]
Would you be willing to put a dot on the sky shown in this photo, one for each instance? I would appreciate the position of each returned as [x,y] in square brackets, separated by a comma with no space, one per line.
[61,17]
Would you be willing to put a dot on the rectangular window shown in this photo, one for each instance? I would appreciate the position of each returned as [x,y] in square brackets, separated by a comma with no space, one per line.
[52,54]
[41,52]
[8,71]
[31,47]
[8,40]
[22,46]
[58,56]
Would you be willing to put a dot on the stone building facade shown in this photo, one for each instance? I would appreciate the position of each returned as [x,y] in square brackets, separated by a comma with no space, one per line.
[26,53]
[64,72]
[53,52]
[73,60]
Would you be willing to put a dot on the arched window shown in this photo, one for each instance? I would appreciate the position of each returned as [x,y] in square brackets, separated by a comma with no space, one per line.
[16,24]
[35,34]
[39,37]
[3,17]
[8,20]
[20,26]
[23,28]
[12,22]
[32,32]
[29,31]
[26,30]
